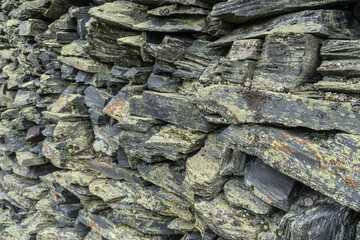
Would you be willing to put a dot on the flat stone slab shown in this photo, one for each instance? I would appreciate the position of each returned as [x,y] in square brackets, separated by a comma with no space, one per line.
[256,106]
[328,164]
[240,11]
[348,67]
[335,24]
[173,25]
[287,62]
[83,64]
[176,109]
[122,14]
[269,185]
[226,220]
[238,195]
[340,49]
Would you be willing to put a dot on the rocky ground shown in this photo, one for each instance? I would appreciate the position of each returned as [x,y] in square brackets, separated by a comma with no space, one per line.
[180,119]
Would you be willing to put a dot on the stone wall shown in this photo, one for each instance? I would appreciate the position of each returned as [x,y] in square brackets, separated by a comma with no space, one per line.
[180,119]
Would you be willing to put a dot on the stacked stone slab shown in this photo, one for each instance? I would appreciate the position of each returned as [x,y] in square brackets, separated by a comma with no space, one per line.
[179,119]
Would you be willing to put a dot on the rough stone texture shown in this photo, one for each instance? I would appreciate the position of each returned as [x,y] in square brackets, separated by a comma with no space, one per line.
[179,119]
[239,11]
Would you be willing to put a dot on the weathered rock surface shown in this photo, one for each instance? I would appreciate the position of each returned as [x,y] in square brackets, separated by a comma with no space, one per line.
[244,105]
[240,11]
[179,119]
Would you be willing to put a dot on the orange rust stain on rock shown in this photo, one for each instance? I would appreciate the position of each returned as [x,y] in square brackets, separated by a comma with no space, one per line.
[352,182]
[268,197]
[283,145]
[94,225]
[323,167]
[313,151]
[282,149]
[292,150]
[270,140]
[173,201]
[283,135]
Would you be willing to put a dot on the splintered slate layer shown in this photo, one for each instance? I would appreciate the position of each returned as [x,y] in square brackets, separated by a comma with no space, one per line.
[256,106]
[195,24]
[238,195]
[287,62]
[32,27]
[162,175]
[118,107]
[226,220]
[122,14]
[269,185]
[340,49]
[348,67]
[176,109]
[240,11]
[334,24]
[331,170]
[334,220]
[82,64]
[203,170]
[144,221]
[174,9]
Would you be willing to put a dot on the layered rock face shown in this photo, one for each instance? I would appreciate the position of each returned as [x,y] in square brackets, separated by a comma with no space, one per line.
[180,120]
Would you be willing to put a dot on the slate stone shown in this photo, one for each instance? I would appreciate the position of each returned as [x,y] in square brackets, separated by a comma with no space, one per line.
[138,124]
[173,9]
[28,10]
[118,107]
[103,45]
[144,222]
[238,195]
[304,158]
[287,62]
[148,197]
[52,84]
[110,230]
[189,24]
[340,49]
[256,106]
[316,22]
[58,233]
[32,27]
[82,64]
[348,67]
[115,172]
[336,221]
[162,83]
[28,159]
[243,11]
[341,87]
[108,190]
[175,143]
[163,175]
[227,221]
[138,75]
[122,14]
[176,109]
[269,185]
[66,37]
[16,140]
[169,50]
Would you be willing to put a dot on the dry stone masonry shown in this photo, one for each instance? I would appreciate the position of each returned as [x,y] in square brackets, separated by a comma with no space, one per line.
[180,120]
